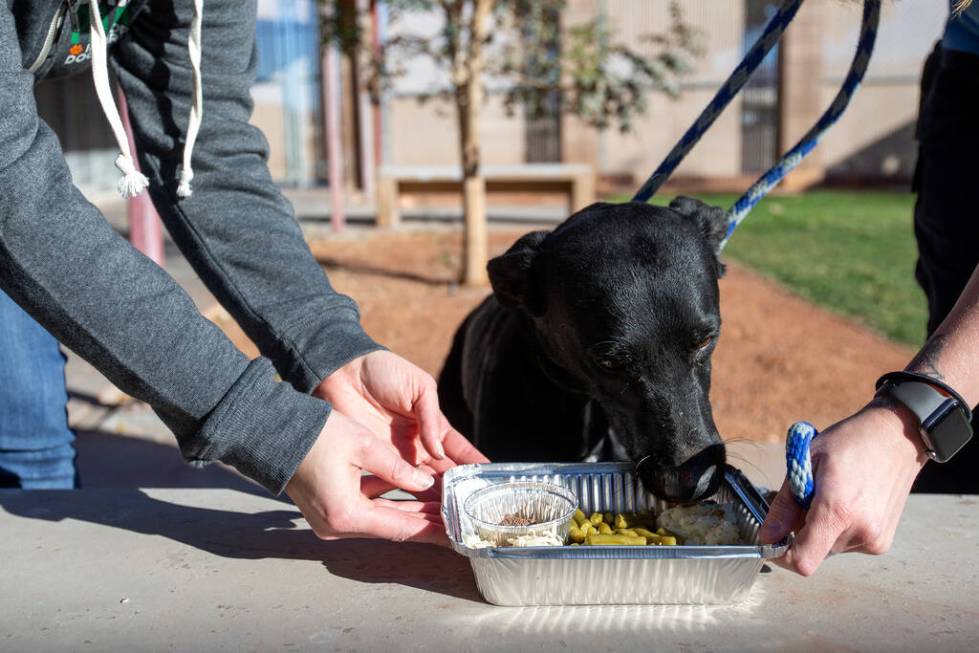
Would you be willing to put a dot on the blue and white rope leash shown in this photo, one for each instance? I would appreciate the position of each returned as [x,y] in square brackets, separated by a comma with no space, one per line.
[792,158]
[773,32]
[800,435]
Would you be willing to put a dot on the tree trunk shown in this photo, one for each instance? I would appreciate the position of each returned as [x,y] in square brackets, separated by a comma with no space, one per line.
[468,104]
[474,245]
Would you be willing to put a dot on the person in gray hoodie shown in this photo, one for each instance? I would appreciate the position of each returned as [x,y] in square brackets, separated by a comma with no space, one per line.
[341,404]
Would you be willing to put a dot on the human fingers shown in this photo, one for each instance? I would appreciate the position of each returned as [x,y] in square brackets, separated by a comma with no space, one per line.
[383,521]
[414,507]
[425,408]
[374,456]
[877,541]
[435,468]
[825,523]
[371,486]
[784,516]
[461,450]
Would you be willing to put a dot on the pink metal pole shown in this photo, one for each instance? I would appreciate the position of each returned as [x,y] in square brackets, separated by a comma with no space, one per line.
[334,148]
[376,108]
[145,229]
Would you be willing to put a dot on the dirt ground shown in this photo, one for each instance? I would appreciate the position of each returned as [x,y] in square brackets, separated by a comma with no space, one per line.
[779,358]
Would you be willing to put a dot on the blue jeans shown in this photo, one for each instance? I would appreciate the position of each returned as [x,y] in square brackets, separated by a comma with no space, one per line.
[36,449]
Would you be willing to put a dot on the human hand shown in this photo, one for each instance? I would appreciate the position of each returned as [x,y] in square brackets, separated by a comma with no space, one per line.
[398,402]
[330,490]
[863,469]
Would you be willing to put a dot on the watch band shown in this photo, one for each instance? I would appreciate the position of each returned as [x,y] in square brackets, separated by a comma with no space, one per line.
[944,419]
[924,378]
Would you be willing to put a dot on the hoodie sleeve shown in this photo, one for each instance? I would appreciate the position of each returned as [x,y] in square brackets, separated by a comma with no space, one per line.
[63,263]
[237,229]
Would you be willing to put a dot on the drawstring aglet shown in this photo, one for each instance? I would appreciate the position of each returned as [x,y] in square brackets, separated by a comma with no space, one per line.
[184,190]
[133,182]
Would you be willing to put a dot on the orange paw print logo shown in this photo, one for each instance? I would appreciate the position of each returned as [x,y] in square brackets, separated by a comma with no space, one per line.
[75,49]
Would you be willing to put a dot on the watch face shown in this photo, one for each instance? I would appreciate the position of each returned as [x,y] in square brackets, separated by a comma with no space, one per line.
[948,431]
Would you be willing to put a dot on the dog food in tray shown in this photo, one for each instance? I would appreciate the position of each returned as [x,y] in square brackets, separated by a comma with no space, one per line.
[581,575]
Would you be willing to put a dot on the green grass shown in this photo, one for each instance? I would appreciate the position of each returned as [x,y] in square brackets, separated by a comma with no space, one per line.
[851,252]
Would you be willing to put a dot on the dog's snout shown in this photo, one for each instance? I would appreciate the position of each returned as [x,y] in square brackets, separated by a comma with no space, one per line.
[694,479]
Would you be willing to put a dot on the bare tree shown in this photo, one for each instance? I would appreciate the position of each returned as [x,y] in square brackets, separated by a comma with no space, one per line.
[534,60]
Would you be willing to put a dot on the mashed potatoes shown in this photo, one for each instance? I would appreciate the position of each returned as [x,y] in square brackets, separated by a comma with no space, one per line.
[474,541]
[704,523]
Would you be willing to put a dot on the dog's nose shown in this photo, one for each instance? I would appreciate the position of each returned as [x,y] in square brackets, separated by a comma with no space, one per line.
[696,478]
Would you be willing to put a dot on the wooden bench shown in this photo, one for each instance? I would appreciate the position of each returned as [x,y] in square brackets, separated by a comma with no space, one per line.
[576,181]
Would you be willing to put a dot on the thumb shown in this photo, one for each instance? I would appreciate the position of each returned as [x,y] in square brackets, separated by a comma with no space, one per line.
[784,516]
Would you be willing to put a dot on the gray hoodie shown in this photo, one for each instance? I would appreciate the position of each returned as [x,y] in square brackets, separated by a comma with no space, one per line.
[62,262]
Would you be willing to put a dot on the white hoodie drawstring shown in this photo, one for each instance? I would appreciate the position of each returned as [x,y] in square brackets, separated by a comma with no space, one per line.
[133,182]
[197,108]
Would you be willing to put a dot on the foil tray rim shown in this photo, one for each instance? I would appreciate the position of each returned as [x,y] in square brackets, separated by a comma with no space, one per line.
[734,479]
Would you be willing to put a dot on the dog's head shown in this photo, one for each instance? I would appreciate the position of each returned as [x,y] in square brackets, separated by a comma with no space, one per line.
[624,301]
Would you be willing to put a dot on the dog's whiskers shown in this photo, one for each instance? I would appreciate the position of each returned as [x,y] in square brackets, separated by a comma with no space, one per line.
[741,438]
[744,461]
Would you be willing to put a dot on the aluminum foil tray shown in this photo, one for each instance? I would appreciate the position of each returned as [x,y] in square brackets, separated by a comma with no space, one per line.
[589,575]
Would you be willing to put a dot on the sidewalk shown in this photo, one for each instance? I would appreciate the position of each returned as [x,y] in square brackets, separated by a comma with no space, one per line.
[218,570]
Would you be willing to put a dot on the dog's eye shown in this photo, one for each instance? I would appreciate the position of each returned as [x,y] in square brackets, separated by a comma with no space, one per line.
[609,364]
[705,343]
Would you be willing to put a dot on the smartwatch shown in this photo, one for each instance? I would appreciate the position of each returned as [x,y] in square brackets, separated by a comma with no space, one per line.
[944,418]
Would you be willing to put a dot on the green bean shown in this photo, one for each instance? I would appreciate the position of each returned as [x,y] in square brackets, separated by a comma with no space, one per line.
[651,537]
[614,540]
[617,529]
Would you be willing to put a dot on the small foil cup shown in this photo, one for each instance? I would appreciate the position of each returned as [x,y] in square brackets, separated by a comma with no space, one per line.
[548,506]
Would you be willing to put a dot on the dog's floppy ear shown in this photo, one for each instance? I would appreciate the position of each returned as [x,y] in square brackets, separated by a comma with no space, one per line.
[711,220]
[511,274]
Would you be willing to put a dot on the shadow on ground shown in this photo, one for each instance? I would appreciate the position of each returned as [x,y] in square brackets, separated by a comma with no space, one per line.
[108,460]
[114,467]
[270,534]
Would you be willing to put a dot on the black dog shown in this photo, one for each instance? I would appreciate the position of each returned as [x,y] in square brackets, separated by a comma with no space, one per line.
[597,344]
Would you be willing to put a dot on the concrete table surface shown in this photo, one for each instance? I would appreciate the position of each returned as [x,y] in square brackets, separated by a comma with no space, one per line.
[224,570]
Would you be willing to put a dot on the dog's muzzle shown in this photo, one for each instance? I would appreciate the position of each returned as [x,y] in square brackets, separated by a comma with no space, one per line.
[695,479]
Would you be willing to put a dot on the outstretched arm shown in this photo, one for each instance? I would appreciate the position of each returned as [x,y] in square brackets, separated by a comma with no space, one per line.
[243,239]
[62,262]
[864,466]
[237,229]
